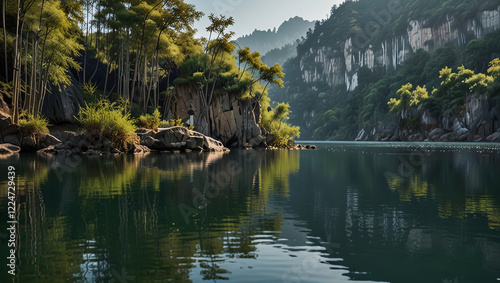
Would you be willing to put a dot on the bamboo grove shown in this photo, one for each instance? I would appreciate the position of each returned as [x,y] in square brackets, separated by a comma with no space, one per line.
[139,42]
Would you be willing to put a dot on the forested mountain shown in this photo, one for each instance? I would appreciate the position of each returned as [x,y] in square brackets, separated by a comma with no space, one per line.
[287,33]
[280,55]
[352,64]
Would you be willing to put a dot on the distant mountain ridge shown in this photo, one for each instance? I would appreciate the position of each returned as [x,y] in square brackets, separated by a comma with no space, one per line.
[287,33]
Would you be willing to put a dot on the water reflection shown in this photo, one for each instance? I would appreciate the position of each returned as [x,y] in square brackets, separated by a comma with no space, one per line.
[343,212]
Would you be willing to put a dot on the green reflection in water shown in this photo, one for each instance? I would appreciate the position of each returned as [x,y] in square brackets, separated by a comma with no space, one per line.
[192,217]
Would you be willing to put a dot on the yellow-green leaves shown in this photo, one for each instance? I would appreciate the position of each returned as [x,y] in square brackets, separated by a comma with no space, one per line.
[418,95]
[479,81]
[408,98]
[259,70]
[494,69]
[219,25]
[275,122]
[467,77]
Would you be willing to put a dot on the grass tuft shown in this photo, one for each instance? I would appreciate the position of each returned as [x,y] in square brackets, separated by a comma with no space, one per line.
[107,120]
[150,121]
[35,127]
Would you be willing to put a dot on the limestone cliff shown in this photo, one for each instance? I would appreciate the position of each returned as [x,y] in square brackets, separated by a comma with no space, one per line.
[232,121]
[339,64]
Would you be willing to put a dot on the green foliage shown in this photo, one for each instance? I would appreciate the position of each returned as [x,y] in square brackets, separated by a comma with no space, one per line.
[90,92]
[280,55]
[164,124]
[150,121]
[274,122]
[407,99]
[34,127]
[174,123]
[109,121]
[413,122]
[450,96]
[494,69]
[375,22]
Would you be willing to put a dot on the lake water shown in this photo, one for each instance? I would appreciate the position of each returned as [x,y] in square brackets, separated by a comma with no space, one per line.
[366,212]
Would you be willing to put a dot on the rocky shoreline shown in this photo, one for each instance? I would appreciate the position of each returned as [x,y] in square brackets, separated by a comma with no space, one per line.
[449,130]
[165,140]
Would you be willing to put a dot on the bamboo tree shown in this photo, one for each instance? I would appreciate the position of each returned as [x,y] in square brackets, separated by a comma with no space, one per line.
[214,49]
[4,7]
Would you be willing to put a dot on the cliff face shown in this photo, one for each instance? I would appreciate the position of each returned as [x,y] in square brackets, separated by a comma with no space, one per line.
[232,121]
[340,66]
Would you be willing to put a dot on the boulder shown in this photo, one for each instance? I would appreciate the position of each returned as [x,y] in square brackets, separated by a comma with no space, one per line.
[93,152]
[462,137]
[64,145]
[52,150]
[270,138]
[149,141]
[445,137]
[8,149]
[65,135]
[195,143]
[48,140]
[416,137]
[458,129]
[106,145]
[435,134]
[64,103]
[145,133]
[64,132]
[12,139]
[484,129]
[9,133]
[495,137]
[180,138]
[257,141]
[139,149]
[48,151]
[474,127]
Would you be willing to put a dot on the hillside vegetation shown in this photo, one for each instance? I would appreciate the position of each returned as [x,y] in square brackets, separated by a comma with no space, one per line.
[335,112]
[129,53]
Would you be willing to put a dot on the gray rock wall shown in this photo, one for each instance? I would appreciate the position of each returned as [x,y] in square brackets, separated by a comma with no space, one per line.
[232,121]
[340,67]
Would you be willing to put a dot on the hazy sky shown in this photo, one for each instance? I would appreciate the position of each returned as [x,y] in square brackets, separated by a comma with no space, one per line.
[261,14]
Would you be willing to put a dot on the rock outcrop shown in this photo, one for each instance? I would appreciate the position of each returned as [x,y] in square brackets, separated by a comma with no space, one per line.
[178,139]
[7,149]
[339,65]
[63,103]
[175,139]
[78,144]
[232,121]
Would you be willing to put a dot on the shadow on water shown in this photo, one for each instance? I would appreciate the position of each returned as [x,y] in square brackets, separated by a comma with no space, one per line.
[343,212]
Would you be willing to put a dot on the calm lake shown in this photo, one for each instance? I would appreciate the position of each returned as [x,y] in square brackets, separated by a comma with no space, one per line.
[366,212]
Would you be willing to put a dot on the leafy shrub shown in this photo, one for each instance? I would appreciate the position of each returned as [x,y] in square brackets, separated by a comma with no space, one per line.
[274,122]
[107,120]
[178,123]
[90,93]
[150,121]
[35,127]
[164,124]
